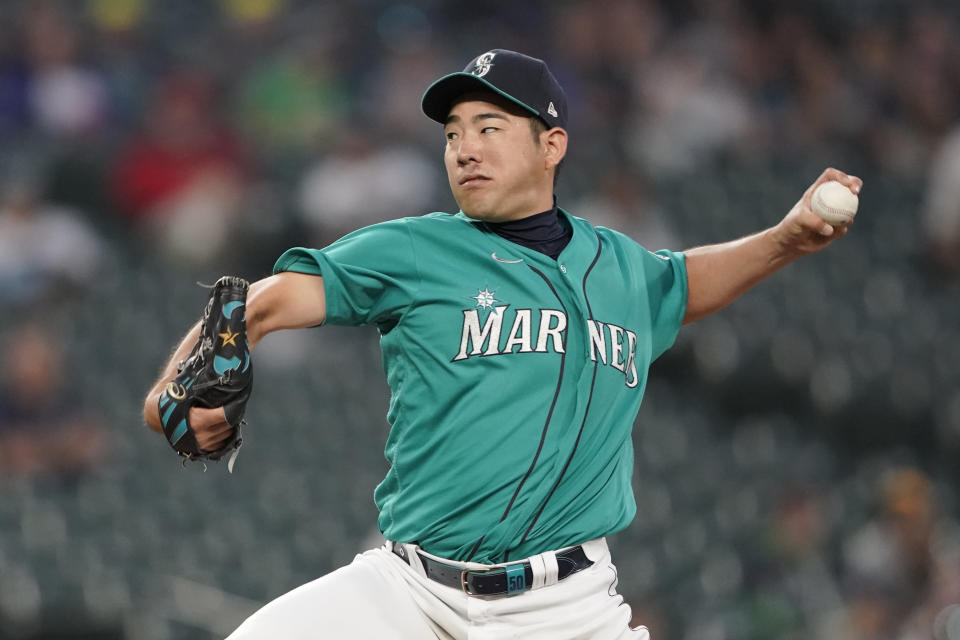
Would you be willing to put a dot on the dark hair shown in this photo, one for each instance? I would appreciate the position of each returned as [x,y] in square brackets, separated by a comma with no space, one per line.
[538,126]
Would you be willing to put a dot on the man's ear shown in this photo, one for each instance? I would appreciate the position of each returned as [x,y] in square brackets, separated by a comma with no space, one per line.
[554,143]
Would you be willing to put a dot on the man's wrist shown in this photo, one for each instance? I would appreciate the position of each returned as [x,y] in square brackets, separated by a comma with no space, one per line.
[782,249]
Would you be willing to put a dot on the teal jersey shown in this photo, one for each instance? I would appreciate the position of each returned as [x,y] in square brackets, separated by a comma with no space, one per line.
[515,379]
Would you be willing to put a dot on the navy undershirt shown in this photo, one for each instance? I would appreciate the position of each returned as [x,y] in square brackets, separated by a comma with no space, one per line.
[543,232]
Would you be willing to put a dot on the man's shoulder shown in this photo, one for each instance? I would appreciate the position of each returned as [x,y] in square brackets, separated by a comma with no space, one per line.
[439,223]
[607,234]
[413,224]
[616,237]
[623,242]
[425,221]
[437,218]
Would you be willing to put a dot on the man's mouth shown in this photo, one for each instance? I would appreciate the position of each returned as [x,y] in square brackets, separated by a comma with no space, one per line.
[472,180]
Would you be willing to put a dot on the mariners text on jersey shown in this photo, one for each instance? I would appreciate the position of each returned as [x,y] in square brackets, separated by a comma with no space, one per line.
[537,330]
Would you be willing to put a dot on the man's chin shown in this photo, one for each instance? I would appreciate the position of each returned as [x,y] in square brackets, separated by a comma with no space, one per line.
[474,215]
[475,212]
[483,209]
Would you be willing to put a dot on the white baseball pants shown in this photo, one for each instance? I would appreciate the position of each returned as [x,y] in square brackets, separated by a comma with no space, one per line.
[381,596]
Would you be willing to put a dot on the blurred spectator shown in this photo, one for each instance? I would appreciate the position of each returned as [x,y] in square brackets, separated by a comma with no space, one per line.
[66,96]
[123,56]
[943,598]
[689,107]
[889,564]
[941,214]
[14,88]
[44,248]
[797,587]
[43,427]
[926,84]
[290,101]
[623,203]
[362,182]
[252,15]
[399,83]
[181,181]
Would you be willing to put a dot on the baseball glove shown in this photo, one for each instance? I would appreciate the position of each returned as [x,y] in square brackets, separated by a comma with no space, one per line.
[217,373]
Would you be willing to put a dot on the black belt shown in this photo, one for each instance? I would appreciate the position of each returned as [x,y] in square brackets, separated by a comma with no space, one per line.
[509,580]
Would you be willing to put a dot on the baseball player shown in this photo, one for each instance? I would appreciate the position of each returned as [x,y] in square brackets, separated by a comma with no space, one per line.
[516,340]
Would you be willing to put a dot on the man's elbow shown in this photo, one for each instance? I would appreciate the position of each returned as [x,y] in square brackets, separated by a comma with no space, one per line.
[693,315]
[695,308]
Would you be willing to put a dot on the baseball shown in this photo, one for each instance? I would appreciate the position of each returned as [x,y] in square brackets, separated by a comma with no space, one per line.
[835,203]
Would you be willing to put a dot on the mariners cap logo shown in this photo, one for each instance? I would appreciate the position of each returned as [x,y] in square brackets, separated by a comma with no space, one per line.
[483,64]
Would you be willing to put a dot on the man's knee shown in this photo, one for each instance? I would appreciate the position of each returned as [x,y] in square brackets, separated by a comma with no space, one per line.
[356,601]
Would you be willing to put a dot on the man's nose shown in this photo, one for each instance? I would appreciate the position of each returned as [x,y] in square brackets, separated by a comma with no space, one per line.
[469,150]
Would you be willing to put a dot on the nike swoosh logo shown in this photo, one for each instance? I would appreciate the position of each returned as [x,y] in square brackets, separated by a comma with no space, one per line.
[494,256]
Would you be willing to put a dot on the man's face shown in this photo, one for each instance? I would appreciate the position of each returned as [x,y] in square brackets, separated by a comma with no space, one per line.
[496,170]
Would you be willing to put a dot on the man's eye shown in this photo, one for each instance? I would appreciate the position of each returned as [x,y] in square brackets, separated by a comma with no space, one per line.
[451,135]
[488,129]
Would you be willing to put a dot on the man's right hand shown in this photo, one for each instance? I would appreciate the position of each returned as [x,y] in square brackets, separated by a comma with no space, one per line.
[210,427]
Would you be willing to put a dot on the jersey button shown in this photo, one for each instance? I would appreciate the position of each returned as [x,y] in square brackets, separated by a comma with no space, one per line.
[563,268]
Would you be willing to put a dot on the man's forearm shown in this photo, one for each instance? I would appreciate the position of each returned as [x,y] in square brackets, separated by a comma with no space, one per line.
[719,274]
[151,414]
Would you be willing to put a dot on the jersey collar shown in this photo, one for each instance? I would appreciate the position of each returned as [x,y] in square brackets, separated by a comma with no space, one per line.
[576,256]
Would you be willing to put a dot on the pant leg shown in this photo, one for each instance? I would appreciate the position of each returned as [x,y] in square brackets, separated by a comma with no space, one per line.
[358,601]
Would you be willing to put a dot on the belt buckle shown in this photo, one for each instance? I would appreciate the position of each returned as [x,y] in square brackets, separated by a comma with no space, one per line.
[464,585]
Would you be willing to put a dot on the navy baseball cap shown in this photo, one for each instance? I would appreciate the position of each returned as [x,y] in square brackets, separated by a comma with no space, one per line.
[521,79]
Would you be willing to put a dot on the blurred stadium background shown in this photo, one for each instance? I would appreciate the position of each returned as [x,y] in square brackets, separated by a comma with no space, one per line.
[796,454]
